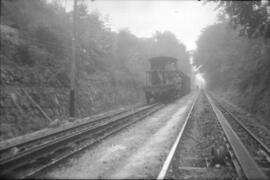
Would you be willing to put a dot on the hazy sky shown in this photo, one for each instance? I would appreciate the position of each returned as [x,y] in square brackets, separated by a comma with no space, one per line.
[185,19]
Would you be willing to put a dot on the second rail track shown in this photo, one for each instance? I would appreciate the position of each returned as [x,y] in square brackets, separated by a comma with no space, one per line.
[59,147]
[239,160]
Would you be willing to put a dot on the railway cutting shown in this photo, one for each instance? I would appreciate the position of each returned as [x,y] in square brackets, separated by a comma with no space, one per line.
[135,90]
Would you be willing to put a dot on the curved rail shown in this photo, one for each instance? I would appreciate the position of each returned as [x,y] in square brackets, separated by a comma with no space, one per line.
[71,141]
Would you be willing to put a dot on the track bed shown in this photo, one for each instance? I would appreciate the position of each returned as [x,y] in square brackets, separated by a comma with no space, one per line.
[193,158]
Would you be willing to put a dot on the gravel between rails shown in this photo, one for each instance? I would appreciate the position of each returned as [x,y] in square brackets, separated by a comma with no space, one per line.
[136,152]
[251,144]
[259,126]
[193,158]
[260,130]
[254,148]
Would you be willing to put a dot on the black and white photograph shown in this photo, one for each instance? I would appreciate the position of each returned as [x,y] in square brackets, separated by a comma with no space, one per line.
[135,89]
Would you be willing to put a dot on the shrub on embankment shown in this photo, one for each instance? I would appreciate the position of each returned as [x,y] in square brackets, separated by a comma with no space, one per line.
[236,67]
[35,64]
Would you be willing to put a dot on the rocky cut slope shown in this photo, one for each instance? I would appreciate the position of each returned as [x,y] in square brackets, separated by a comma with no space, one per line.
[35,91]
[35,64]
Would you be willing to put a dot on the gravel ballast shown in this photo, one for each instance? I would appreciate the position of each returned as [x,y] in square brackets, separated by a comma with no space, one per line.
[194,157]
[136,152]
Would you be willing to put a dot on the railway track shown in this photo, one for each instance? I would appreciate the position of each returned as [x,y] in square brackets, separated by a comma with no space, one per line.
[257,149]
[28,158]
[221,139]
[171,154]
[259,128]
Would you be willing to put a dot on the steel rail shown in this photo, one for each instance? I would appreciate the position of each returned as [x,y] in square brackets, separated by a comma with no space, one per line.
[37,151]
[248,164]
[23,144]
[12,161]
[266,149]
[168,160]
[7,145]
[115,130]
[48,140]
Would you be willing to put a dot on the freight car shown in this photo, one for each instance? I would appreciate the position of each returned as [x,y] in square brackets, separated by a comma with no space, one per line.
[164,81]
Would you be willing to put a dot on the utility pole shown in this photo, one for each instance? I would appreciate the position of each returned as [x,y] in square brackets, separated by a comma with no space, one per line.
[73,62]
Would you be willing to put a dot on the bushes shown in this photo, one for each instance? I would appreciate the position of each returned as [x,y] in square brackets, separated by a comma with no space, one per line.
[49,40]
[236,66]
[24,57]
[110,66]
[63,78]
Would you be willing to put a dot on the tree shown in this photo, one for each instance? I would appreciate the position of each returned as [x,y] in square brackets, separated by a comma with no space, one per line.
[235,66]
[49,40]
[252,18]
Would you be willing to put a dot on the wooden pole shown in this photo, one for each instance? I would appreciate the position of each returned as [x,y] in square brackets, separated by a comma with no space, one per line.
[73,63]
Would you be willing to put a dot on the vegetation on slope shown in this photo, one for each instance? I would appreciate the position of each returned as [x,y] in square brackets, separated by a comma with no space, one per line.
[236,67]
[35,64]
[235,54]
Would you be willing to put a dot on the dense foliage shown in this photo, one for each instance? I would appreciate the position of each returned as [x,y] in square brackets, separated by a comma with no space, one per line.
[235,55]
[252,17]
[236,67]
[36,55]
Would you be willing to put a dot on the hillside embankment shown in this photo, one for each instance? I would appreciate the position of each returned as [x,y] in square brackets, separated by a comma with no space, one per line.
[35,93]
[236,68]
[36,57]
